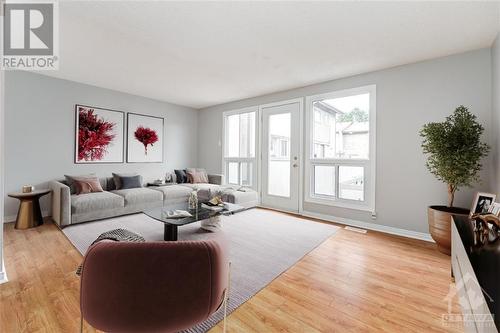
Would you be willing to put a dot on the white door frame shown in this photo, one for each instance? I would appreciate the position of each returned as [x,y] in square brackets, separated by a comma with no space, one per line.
[300,161]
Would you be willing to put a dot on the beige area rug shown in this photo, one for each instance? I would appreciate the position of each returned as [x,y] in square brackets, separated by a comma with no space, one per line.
[263,244]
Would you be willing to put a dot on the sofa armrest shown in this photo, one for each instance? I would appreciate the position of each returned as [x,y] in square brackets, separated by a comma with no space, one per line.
[216,179]
[61,203]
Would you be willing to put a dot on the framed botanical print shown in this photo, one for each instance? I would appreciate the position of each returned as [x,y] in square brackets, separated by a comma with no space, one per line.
[144,138]
[99,135]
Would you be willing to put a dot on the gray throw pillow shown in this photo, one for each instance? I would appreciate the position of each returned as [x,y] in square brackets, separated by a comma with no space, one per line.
[70,180]
[117,178]
[181,176]
[130,182]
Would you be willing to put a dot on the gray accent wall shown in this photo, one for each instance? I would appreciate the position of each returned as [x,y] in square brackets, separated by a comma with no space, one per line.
[40,132]
[407,97]
[495,83]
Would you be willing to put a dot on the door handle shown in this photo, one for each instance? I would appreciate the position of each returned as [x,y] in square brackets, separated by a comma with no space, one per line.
[295,165]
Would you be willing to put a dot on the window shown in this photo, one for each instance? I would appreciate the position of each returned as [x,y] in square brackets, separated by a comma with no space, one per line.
[340,136]
[239,147]
[324,180]
[351,180]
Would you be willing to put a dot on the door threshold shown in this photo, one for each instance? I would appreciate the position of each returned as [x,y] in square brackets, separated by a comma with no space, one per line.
[295,212]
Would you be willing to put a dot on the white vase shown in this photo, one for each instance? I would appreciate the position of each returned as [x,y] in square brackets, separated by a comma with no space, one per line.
[212,224]
[193,200]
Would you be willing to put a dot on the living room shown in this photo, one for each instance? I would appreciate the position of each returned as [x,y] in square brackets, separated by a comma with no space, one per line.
[250,166]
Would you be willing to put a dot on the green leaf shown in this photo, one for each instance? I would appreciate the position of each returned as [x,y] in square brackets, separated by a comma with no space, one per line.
[454,148]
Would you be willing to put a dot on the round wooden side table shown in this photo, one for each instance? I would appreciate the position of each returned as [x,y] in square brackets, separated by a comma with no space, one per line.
[29,214]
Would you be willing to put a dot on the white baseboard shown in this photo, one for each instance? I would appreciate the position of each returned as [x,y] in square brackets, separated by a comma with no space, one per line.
[371,226]
[12,218]
[3,275]
[359,224]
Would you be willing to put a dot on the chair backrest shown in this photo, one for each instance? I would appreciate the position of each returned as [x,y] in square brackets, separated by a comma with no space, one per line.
[152,286]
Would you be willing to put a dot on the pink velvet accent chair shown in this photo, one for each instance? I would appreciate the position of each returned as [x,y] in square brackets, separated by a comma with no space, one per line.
[153,286]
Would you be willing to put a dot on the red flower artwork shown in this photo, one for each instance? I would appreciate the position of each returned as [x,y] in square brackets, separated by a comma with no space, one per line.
[146,136]
[94,135]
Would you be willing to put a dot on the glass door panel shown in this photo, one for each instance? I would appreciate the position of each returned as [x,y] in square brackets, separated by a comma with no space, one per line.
[279,157]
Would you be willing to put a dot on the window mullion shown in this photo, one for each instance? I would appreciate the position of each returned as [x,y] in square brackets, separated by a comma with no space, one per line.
[337,187]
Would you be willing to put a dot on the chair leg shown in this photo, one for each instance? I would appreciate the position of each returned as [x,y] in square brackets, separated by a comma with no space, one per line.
[81,323]
[225,312]
[226,296]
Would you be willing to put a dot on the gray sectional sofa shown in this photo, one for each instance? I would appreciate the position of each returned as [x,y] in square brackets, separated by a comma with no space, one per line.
[69,208]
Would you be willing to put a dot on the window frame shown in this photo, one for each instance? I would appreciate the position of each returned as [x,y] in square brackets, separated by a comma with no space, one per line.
[253,160]
[369,165]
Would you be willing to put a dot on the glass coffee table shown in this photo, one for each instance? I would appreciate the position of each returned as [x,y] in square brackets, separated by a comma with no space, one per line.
[198,214]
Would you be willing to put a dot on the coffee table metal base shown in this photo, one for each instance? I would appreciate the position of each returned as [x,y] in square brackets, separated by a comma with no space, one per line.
[170,233]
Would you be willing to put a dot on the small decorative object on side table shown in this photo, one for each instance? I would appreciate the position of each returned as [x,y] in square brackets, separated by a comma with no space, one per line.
[29,214]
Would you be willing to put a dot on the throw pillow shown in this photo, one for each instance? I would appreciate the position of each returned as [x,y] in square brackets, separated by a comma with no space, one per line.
[181,176]
[117,178]
[204,175]
[70,180]
[130,182]
[197,176]
[87,185]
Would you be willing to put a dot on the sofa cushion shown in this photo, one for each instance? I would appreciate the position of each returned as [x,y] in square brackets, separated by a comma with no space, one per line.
[196,176]
[203,186]
[95,201]
[206,191]
[131,182]
[70,181]
[173,192]
[87,185]
[181,176]
[139,196]
[247,198]
[117,179]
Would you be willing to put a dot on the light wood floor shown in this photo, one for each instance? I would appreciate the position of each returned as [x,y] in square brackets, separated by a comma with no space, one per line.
[351,283]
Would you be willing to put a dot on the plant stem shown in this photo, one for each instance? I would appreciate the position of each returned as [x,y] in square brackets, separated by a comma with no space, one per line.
[451,194]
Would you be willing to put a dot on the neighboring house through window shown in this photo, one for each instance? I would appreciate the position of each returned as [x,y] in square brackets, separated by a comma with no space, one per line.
[340,141]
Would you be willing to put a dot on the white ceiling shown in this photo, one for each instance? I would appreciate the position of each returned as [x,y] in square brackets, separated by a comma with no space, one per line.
[200,54]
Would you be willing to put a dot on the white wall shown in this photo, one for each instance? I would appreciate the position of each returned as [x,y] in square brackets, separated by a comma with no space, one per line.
[495,79]
[407,98]
[3,274]
[40,131]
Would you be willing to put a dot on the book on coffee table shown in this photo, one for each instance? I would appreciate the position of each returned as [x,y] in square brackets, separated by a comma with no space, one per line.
[176,213]
[215,208]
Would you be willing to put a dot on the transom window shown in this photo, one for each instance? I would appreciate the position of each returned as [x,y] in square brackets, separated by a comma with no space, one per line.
[340,138]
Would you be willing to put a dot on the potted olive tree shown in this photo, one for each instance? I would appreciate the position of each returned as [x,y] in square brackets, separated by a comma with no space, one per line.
[454,151]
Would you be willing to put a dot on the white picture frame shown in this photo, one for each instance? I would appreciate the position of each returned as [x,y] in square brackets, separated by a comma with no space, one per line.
[495,209]
[482,203]
[140,150]
[112,151]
